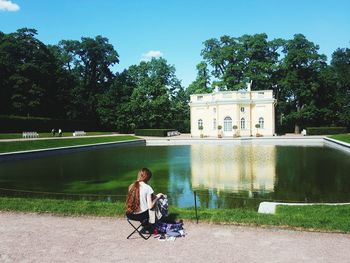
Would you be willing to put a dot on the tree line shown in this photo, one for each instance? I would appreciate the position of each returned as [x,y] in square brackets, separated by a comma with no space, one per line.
[309,92]
[73,80]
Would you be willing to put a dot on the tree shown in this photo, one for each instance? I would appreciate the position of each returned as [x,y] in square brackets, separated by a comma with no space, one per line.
[259,59]
[180,110]
[219,131]
[147,95]
[223,55]
[341,66]
[235,127]
[300,80]
[202,82]
[257,126]
[88,63]
[201,129]
[236,60]
[114,109]
[155,90]
[27,69]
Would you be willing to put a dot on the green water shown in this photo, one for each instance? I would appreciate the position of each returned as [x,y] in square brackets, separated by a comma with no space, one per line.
[222,175]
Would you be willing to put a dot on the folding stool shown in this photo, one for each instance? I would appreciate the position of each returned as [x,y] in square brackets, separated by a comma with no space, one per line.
[136,229]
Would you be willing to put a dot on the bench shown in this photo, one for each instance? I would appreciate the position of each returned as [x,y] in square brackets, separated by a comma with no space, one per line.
[172,133]
[30,135]
[79,133]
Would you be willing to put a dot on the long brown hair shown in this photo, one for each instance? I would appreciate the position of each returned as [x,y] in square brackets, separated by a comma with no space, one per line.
[132,203]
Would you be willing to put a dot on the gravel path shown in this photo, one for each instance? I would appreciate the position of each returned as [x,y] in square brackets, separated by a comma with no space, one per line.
[47,238]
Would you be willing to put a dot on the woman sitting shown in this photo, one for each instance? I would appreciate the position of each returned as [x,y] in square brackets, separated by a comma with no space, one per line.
[141,198]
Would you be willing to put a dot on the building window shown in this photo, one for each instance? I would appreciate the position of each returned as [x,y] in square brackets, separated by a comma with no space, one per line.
[242,124]
[227,124]
[214,110]
[199,98]
[261,122]
[260,94]
[200,124]
[214,124]
[242,109]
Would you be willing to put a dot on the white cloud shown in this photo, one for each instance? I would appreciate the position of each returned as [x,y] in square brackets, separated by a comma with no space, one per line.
[7,5]
[151,54]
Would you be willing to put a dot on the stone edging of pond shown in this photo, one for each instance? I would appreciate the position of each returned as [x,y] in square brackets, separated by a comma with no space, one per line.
[270,207]
[337,144]
[319,140]
[67,149]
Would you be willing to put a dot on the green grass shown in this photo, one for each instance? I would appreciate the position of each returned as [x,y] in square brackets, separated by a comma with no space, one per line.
[15,146]
[325,217]
[341,137]
[47,135]
[316,218]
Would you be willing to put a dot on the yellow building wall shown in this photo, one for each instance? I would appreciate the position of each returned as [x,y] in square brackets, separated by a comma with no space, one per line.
[220,105]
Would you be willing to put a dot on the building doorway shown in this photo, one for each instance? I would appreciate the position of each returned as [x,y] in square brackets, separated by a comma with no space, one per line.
[227,126]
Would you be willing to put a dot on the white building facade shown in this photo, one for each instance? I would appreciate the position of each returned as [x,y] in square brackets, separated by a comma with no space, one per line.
[243,108]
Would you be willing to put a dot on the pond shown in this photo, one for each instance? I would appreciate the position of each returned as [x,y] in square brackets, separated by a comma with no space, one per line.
[223,176]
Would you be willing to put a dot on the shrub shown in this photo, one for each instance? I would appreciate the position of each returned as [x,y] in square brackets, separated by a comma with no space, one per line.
[325,130]
[153,132]
[181,125]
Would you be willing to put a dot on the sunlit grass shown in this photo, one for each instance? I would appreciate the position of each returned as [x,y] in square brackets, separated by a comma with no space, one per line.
[15,146]
[316,218]
[341,137]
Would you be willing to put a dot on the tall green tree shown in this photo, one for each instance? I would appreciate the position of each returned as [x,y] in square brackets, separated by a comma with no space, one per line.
[88,62]
[223,55]
[300,81]
[147,95]
[155,83]
[260,59]
[236,60]
[180,111]
[202,82]
[27,74]
[341,66]
[114,106]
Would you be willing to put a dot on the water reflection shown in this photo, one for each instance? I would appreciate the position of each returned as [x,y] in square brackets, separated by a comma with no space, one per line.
[242,168]
[222,175]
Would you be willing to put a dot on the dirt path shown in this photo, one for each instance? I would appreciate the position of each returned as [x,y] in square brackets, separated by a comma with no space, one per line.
[46,238]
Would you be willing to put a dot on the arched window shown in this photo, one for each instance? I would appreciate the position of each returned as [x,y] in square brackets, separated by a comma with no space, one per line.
[214,124]
[261,122]
[228,124]
[200,124]
[242,124]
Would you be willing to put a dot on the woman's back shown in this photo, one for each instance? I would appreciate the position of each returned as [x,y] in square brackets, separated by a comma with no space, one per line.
[145,190]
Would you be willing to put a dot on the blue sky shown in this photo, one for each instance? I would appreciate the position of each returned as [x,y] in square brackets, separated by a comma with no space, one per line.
[176,29]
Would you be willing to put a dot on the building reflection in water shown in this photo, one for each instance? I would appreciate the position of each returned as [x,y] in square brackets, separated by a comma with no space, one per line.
[234,168]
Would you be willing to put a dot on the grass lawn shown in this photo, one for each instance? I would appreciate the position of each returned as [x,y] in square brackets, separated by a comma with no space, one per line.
[47,135]
[316,218]
[15,146]
[341,137]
